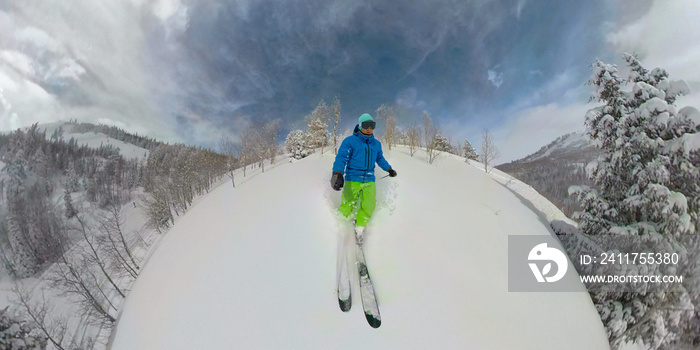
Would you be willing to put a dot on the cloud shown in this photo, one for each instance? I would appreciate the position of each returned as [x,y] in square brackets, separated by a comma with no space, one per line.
[495,78]
[665,36]
[18,61]
[532,128]
[662,33]
[185,70]
[81,60]
[563,84]
[23,102]
[173,16]
[281,59]
[519,8]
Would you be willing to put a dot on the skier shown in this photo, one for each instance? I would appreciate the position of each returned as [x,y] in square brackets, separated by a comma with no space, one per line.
[356,157]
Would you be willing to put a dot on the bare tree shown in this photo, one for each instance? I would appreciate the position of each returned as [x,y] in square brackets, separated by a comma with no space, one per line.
[95,255]
[55,328]
[388,116]
[336,114]
[73,276]
[413,136]
[431,132]
[489,152]
[269,138]
[158,208]
[228,148]
[114,240]
[248,148]
[259,142]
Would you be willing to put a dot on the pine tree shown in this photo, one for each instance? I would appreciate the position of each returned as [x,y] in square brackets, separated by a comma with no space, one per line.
[72,182]
[296,144]
[24,261]
[441,143]
[469,151]
[19,335]
[68,201]
[647,177]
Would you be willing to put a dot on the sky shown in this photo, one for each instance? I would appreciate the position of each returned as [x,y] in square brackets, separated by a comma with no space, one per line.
[194,71]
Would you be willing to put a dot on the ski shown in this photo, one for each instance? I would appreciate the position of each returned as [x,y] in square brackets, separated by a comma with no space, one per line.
[369,298]
[344,295]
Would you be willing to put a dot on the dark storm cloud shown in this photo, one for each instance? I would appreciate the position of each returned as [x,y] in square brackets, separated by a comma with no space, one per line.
[270,59]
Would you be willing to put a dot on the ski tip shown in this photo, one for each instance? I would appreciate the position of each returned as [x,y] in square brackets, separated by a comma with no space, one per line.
[374,322]
[345,305]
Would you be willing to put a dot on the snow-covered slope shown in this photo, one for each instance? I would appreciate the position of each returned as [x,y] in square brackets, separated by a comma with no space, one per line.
[254,268]
[94,139]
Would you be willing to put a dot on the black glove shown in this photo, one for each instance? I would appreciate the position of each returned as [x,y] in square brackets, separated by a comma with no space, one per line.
[337,181]
[392,172]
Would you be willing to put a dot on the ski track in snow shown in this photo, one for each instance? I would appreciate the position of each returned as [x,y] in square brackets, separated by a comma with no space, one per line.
[255,267]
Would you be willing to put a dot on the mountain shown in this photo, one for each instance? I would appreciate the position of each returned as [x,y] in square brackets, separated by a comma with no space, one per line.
[555,167]
[254,267]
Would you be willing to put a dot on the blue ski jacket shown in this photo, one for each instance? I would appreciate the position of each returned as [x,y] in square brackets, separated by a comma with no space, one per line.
[357,155]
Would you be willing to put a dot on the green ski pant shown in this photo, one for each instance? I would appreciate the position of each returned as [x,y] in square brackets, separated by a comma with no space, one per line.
[365,193]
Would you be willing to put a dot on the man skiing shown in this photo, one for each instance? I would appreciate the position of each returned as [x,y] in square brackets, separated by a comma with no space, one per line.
[356,158]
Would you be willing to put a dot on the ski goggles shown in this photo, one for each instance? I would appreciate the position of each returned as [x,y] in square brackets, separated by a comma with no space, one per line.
[368,124]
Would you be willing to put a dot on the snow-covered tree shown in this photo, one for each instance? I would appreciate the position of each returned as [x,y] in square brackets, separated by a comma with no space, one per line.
[318,126]
[40,164]
[68,202]
[19,335]
[647,178]
[24,262]
[158,210]
[296,144]
[441,143]
[469,151]
[72,182]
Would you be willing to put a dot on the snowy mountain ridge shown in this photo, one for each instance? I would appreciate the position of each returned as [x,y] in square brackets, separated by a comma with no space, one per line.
[85,135]
[563,145]
[555,167]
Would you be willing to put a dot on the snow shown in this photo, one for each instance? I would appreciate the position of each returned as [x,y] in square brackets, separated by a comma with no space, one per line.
[254,267]
[137,234]
[687,142]
[569,140]
[560,147]
[540,205]
[691,113]
[94,140]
